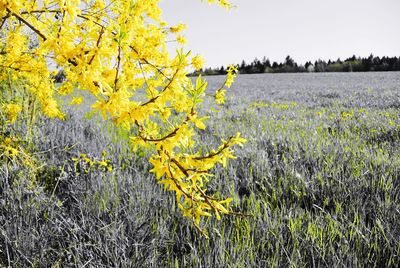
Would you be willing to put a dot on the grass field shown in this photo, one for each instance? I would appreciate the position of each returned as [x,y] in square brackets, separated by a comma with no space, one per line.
[320,177]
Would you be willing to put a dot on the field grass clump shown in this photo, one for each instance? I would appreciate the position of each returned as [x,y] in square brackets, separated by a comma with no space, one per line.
[320,176]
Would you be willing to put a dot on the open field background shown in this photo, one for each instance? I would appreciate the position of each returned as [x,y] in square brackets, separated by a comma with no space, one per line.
[320,174]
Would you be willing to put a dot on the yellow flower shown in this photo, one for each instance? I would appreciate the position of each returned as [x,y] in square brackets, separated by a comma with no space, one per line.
[66,89]
[181,39]
[50,108]
[102,163]
[76,101]
[223,3]
[230,77]
[12,111]
[8,141]
[11,152]
[178,28]
[220,96]
[198,62]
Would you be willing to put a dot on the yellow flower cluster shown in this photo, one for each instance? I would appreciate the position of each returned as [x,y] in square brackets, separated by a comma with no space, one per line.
[76,101]
[11,150]
[8,148]
[282,106]
[12,110]
[86,164]
[231,74]
[181,39]
[198,62]
[220,96]
[178,28]
[223,3]
[116,51]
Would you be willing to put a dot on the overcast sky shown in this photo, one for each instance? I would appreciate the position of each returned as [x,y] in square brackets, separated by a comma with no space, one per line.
[303,29]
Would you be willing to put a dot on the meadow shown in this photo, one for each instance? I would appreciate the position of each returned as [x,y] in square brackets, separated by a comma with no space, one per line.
[319,175]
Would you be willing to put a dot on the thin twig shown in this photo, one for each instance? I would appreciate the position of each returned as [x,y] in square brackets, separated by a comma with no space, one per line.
[21,19]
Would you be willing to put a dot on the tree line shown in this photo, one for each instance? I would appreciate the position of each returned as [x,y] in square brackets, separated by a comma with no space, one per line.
[352,64]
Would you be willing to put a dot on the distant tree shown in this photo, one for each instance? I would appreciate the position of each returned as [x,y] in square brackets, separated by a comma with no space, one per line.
[397,65]
[289,61]
[266,63]
[221,70]
[320,66]
[334,67]
[368,62]
[257,66]
[242,66]
[301,69]
[352,58]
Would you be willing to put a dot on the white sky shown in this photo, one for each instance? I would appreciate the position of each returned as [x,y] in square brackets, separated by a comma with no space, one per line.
[303,29]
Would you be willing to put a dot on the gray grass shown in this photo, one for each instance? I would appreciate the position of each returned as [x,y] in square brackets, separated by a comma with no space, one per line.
[323,187]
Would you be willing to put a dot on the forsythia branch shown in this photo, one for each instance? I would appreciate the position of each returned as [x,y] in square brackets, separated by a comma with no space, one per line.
[116,51]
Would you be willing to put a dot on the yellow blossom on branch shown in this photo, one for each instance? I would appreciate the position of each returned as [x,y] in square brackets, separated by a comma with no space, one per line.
[76,101]
[198,62]
[12,110]
[181,40]
[231,75]
[178,28]
[220,96]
